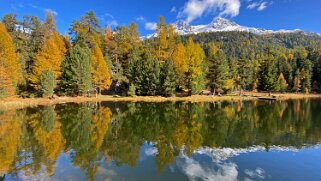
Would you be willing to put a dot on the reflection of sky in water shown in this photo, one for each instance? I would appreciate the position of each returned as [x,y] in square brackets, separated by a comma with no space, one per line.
[254,163]
[106,144]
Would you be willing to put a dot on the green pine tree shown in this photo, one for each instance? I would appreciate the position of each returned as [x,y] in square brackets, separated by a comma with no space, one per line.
[268,76]
[168,79]
[281,84]
[48,83]
[218,71]
[76,76]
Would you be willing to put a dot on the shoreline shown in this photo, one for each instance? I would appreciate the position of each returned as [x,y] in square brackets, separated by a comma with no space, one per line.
[32,102]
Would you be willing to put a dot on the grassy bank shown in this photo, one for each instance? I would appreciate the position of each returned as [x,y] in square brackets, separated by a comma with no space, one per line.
[30,102]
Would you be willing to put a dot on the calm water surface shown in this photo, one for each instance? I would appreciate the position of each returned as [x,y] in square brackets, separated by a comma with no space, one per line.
[163,141]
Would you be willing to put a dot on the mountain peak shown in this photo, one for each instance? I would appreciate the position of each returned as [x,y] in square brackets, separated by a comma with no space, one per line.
[222,23]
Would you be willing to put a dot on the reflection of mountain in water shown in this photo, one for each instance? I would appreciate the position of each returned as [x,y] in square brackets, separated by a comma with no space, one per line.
[219,154]
[31,140]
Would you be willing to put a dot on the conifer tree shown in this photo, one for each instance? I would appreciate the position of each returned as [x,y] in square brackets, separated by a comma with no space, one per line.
[76,71]
[173,39]
[196,67]
[109,42]
[7,88]
[168,79]
[162,43]
[9,61]
[99,70]
[218,70]
[49,58]
[282,84]
[306,75]
[144,75]
[243,79]
[297,83]
[268,76]
[48,83]
[180,63]
[132,90]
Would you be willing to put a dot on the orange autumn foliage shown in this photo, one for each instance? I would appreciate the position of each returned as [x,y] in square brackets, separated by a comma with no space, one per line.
[49,58]
[99,69]
[10,73]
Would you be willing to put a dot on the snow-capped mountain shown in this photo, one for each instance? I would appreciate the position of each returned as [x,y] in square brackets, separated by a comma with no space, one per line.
[217,25]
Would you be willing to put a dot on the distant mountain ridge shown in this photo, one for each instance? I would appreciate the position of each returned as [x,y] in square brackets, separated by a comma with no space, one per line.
[222,25]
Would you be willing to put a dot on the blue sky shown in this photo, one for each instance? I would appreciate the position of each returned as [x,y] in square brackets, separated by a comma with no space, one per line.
[268,14]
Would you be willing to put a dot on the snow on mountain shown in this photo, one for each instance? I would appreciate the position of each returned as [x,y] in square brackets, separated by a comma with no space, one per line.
[218,25]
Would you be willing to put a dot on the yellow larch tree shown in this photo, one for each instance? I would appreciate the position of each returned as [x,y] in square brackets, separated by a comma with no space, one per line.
[49,58]
[99,70]
[7,88]
[51,54]
[195,60]
[180,61]
[162,43]
[9,62]
[172,39]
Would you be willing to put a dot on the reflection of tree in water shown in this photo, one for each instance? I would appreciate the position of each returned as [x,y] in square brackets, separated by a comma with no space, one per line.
[235,125]
[84,129]
[32,139]
[47,132]
[10,130]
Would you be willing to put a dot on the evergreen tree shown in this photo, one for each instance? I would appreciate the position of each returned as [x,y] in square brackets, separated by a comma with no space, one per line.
[306,75]
[168,79]
[144,75]
[243,79]
[48,83]
[268,76]
[76,71]
[218,70]
[297,82]
[281,84]
[132,90]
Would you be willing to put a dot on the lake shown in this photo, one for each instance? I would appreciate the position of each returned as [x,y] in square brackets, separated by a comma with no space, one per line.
[249,140]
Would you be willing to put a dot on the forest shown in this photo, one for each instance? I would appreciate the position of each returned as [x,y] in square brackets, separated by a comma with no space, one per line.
[37,61]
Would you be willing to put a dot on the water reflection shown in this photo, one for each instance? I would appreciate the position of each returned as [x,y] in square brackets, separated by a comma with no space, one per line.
[87,139]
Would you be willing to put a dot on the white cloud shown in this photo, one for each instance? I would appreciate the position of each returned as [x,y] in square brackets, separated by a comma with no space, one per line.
[256,174]
[150,25]
[253,5]
[197,171]
[109,15]
[173,10]
[194,9]
[141,19]
[260,6]
[55,13]
[52,11]
[152,151]
[112,23]
[109,19]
